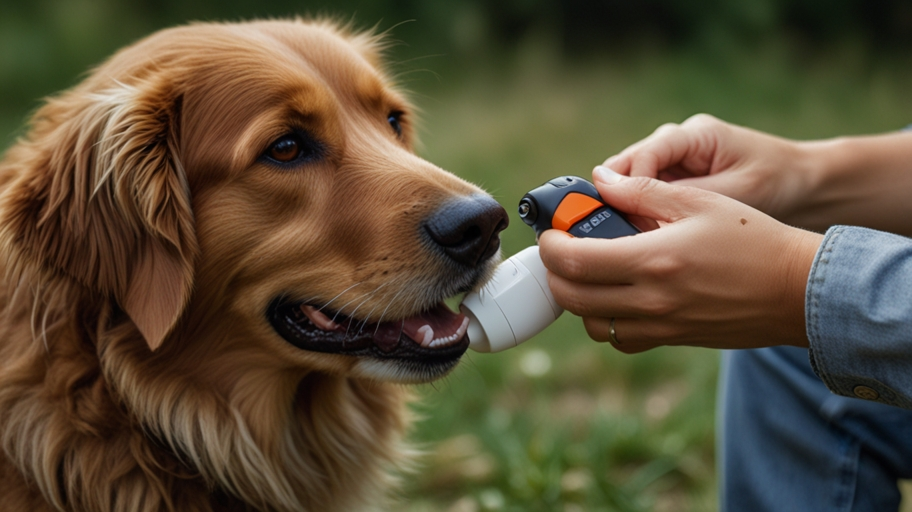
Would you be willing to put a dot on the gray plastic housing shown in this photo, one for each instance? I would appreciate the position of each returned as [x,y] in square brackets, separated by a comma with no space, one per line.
[515,305]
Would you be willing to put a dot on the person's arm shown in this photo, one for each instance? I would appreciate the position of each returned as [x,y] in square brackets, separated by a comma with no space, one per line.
[862,181]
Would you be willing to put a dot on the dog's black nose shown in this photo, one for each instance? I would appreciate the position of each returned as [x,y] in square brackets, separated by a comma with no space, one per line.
[467,229]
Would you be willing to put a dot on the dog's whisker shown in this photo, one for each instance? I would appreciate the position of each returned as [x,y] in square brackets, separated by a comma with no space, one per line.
[386,309]
[364,322]
[366,297]
[369,313]
[420,57]
[402,74]
[338,295]
[339,311]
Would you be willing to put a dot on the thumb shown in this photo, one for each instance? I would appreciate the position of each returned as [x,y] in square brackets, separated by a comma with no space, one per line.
[648,197]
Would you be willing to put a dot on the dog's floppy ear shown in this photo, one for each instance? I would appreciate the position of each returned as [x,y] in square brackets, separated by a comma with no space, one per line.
[107,203]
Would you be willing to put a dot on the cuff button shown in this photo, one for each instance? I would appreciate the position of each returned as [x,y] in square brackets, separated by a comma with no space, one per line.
[866,393]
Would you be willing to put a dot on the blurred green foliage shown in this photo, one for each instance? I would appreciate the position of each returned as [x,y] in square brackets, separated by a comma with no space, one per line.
[45,44]
[513,93]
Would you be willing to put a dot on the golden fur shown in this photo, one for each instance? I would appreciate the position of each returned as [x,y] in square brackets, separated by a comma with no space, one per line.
[143,238]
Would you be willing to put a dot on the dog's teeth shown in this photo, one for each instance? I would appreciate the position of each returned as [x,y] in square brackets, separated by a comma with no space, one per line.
[428,335]
[451,338]
[462,328]
[319,319]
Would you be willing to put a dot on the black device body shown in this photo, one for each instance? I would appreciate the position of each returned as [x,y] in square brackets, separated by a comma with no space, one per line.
[557,204]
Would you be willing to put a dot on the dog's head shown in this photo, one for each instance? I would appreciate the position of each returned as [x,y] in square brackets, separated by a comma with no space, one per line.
[213,233]
[255,185]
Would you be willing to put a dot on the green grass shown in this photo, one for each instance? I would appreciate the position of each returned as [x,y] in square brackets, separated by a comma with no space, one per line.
[563,423]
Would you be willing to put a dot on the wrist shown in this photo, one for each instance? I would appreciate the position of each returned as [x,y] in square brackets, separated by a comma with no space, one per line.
[801,249]
[815,163]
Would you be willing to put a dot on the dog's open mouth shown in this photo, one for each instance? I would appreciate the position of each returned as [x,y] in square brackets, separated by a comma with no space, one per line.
[436,334]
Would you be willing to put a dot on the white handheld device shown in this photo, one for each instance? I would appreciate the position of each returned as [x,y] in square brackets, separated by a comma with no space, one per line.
[515,305]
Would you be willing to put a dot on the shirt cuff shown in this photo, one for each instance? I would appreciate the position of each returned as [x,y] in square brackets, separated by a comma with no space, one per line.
[858,312]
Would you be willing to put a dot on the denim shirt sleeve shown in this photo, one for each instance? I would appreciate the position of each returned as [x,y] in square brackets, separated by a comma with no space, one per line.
[858,311]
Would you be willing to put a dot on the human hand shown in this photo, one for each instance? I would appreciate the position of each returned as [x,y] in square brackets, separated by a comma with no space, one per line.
[763,171]
[717,273]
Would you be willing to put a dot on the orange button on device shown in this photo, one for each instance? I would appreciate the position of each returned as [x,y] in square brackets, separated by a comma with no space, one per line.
[572,209]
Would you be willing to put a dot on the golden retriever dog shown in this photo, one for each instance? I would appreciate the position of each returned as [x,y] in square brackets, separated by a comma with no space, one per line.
[222,262]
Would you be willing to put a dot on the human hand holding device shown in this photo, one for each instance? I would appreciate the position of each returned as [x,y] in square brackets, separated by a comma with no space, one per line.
[767,172]
[716,273]
[699,279]
[862,181]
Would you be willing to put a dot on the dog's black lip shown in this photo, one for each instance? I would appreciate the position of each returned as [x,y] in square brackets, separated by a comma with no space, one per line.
[288,320]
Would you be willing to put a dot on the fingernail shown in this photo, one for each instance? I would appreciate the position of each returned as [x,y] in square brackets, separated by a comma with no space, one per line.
[606,175]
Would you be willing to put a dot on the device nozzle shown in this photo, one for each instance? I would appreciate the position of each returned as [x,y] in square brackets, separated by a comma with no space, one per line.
[528,211]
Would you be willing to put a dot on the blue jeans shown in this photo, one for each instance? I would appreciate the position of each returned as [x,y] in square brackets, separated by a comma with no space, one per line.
[786,443]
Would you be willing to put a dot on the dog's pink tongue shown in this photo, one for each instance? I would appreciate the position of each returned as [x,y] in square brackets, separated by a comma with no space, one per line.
[436,328]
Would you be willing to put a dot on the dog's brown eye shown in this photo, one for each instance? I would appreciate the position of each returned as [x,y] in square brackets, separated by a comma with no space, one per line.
[285,149]
[292,149]
[394,120]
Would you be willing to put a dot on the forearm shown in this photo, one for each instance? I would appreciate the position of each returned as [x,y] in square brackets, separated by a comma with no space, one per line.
[861,181]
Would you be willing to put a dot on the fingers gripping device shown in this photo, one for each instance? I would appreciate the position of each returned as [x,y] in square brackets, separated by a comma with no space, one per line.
[516,304]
